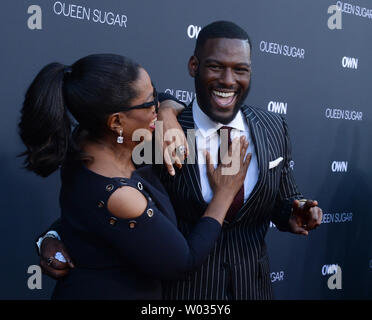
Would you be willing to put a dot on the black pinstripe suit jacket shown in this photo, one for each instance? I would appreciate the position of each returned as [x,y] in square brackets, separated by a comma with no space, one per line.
[238,266]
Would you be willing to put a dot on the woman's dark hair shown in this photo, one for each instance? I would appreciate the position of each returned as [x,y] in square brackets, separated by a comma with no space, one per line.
[90,89]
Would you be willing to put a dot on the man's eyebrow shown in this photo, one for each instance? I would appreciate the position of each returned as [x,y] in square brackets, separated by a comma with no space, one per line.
[219,62]
[212,61]
[248,65]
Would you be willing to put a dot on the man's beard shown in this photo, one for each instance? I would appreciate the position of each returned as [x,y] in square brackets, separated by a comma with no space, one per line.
[206,106]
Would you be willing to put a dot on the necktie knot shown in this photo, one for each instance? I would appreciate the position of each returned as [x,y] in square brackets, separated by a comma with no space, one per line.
[224,129]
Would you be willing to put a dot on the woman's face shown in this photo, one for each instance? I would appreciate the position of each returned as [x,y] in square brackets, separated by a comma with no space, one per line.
[141,118]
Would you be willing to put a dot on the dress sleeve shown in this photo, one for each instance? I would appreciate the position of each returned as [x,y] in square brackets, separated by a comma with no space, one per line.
[153,244]
[55,226]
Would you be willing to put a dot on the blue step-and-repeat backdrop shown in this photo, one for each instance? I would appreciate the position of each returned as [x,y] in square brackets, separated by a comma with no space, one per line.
[311,62]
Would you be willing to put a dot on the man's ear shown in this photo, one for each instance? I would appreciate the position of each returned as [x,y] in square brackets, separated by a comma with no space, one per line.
[193,66]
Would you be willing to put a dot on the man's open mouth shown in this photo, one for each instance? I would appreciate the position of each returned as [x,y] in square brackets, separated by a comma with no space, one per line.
[224,99]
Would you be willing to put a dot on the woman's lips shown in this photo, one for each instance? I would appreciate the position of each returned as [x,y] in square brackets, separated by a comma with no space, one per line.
[152,124]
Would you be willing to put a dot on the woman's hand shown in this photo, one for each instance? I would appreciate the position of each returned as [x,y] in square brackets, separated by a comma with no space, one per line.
[172,135]
[227,179]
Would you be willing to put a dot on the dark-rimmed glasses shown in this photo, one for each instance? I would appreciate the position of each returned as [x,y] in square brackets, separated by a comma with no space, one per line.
[144,105]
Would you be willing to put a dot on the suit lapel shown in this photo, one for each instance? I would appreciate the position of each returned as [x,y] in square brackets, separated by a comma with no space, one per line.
[259,139]
[190,170]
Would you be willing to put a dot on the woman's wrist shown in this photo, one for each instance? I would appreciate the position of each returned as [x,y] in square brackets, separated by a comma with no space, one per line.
[224,195]
[219,206]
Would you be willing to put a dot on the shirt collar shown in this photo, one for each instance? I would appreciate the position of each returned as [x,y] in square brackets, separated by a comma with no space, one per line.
[207,126]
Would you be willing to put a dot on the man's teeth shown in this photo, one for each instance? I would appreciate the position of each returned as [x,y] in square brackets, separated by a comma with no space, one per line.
[223,94]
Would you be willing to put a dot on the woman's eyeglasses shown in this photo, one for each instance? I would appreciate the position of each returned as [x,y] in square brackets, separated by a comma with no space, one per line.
[144,105]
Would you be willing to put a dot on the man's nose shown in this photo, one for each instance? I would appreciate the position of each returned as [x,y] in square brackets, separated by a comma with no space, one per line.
[227,78]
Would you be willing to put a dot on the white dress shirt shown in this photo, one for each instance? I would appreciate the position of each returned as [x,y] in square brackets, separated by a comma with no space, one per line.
[207,138]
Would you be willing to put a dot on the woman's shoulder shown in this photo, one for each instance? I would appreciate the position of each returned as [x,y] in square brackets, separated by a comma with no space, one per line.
[127,202]
[123,197]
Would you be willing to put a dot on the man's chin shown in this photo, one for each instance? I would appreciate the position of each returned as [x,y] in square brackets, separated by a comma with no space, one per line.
[225,116]
[222,118]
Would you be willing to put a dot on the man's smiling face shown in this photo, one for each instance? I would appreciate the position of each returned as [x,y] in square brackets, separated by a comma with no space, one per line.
[222,73]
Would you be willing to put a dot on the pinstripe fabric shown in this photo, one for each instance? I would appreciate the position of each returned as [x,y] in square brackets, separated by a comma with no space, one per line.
[238,266]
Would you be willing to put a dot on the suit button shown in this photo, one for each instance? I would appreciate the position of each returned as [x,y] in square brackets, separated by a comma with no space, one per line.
[132,224]
[113,220]
[150,212]
[109,187]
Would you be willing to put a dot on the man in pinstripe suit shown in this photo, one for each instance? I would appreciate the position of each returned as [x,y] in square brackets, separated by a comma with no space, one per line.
[238,267]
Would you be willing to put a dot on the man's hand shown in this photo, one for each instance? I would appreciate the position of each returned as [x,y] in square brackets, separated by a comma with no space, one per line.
[173,135]
[305,217]
[50,253]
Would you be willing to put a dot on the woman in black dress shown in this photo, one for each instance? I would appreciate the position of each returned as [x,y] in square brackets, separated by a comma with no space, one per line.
[117,221]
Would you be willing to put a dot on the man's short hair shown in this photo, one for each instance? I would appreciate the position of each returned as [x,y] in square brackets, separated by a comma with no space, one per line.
[220,29]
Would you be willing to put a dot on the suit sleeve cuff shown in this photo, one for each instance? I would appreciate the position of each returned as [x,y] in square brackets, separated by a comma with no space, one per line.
[281,215]
[166,96]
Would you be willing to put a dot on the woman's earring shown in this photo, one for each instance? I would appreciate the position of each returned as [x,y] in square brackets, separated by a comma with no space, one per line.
[120,138]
